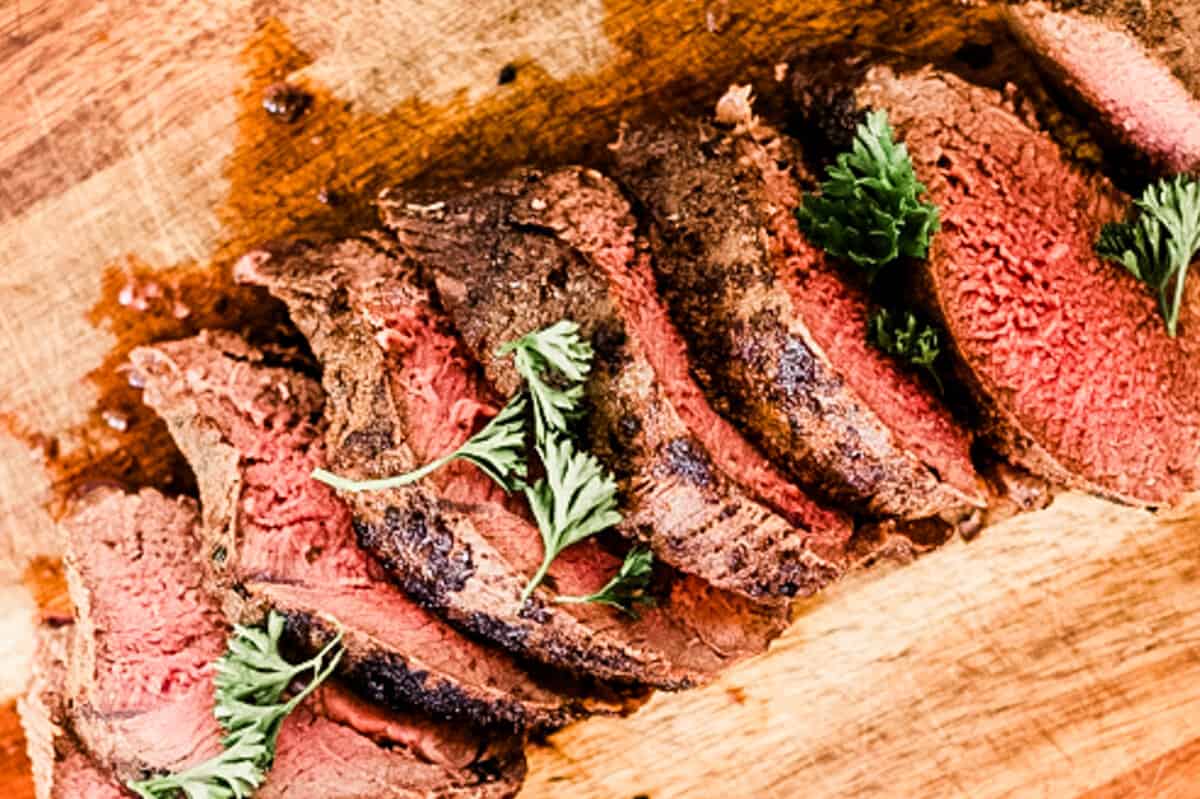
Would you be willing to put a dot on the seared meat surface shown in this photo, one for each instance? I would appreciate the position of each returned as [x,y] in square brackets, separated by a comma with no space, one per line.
[525,252]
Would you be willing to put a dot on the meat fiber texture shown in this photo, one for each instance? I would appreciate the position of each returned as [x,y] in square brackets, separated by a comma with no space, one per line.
[140,680]
[523,253]
[1067,353]
[402,391]
[61,768]
[1133,91]
[776,333]
[273,534]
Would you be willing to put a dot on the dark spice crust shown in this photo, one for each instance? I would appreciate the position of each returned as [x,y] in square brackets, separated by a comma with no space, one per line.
[715,272]
[489,686]
[481,551]
[523,252]
[389,679]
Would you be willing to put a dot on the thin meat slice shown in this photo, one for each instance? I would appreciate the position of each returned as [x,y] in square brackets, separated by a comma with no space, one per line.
[401,391]
[1105,61]
[276,538]
[1067,354]
[61,768]
[776,333]
[140,677]
[530,250]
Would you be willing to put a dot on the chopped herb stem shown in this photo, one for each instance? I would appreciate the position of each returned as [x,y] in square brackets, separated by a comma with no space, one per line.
[1158,241]
[498,450]
[626,589]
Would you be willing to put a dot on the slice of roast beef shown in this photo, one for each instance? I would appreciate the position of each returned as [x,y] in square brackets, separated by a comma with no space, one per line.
[1067,353]
[1141,76]
[521,254]
[401,391]
[140,681]
[61,768]
[276,538]
[778,331]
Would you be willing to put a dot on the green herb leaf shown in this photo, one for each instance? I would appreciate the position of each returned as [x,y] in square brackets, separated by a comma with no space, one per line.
[628,588]
[869,211]
[576,499]
[561,349]
[1159,241]
[498,449]
[252,677]
[907,338]
[233,774]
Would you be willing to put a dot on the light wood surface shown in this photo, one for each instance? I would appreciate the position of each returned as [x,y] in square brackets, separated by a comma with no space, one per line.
[1057,654]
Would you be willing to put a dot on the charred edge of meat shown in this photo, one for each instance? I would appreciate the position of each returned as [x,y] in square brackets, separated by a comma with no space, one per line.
[821,111]
[386,678]
[686,460]
[423,532]
[448,573]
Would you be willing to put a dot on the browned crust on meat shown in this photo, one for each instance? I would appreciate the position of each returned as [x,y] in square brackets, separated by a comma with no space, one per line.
[524,252]
[395,678]
[445,554]
[61,767]
[710,238]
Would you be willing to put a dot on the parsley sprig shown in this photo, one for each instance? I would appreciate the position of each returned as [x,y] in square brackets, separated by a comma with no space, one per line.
[628,588]
[498,450]
[252,677]
[558,348]
[577,498]
[233,774]
[869,210]
[904,336]
[1158,242]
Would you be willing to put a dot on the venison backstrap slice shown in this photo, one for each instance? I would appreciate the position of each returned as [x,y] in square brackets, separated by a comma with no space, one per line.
[522,253]
[276,538]
[401,392]
[776,332]
[140,677]
[1066,353]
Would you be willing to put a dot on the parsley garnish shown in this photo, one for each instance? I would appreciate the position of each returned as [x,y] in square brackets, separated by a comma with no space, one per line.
[1159,240]
[869,211]
[498,449]
[251,679]
[576,499]
[558,348]
[907,338]
[628,588]
[233,774]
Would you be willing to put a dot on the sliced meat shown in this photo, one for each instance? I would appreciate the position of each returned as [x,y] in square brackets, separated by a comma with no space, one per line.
[148,631]
[401,390]
[778,331]
[1135,87]
[528,251]
[1067,353]
[141,677]
[61,769]
[274,537]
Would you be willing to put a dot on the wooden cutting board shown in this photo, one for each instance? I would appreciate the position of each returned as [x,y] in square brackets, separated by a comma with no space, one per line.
[1055,655]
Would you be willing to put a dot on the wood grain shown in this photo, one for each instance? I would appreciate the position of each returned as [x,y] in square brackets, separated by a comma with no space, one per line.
[1045,658]
[1054,655]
